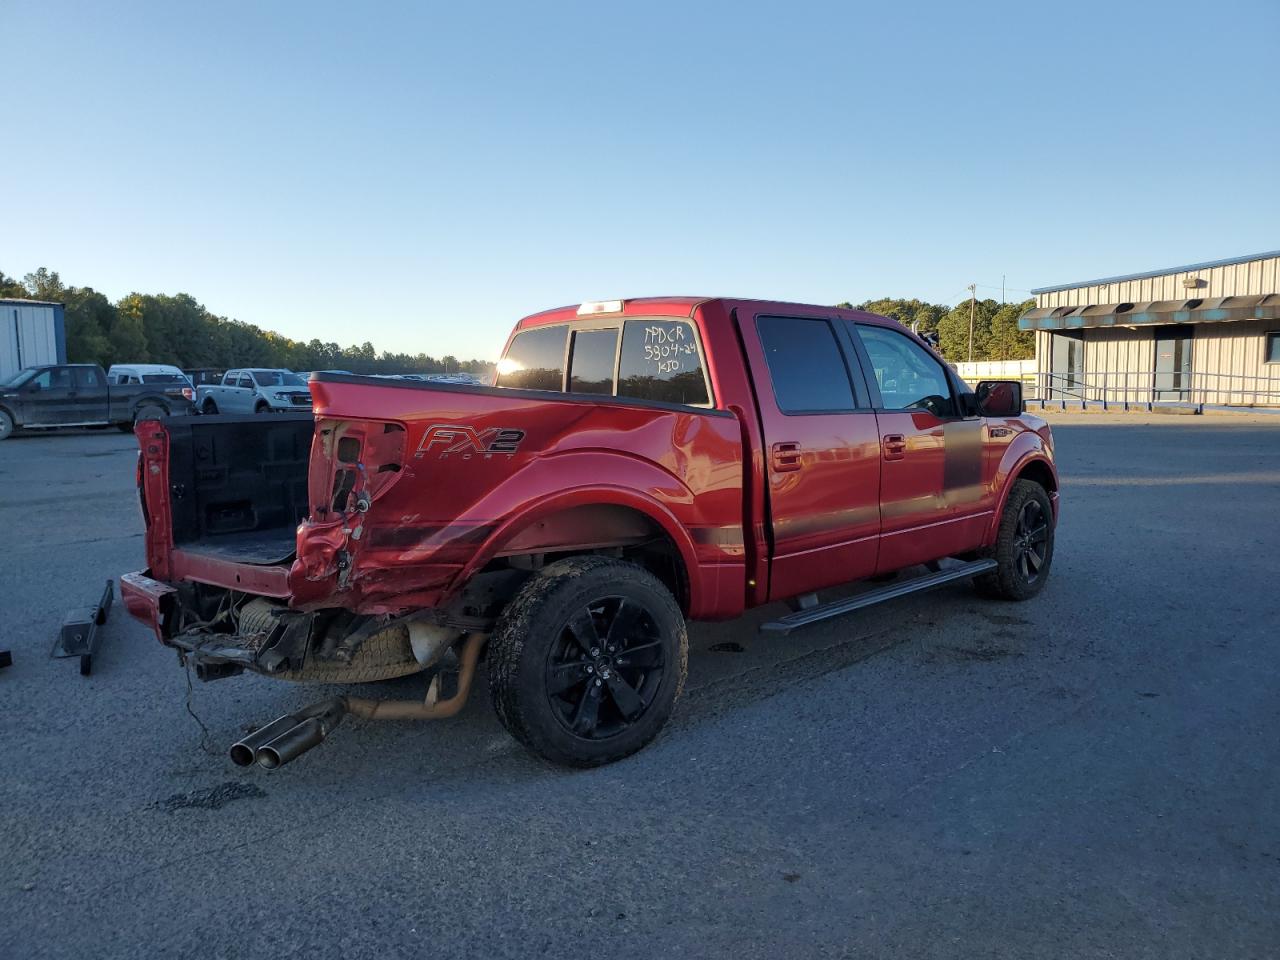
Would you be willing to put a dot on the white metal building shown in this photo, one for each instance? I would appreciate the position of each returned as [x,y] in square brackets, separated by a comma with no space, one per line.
[32,332]
[1206,334]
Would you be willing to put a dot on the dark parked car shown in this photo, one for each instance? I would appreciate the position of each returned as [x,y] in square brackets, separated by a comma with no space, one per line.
[78,395]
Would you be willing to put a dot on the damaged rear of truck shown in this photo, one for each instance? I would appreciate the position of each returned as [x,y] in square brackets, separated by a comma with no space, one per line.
[397,528]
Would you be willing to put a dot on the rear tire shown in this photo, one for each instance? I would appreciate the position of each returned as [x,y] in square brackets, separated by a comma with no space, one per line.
[210,409]
[588,660]
[1024,545]
[6,426]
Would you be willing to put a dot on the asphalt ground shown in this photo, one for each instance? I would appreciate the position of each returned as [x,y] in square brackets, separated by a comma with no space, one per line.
[1090,774]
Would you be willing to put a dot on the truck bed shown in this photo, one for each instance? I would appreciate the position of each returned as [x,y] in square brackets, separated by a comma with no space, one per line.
[238,485]
[261,547]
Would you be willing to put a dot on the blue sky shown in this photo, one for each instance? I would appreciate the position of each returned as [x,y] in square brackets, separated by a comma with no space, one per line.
[422,175]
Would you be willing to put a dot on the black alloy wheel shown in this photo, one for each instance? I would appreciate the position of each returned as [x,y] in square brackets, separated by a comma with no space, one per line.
[1031,540]
[1023,550]
[605,669]
[587,660]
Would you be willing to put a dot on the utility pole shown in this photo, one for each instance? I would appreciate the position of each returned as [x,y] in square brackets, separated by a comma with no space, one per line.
[1002,299]
[973,302]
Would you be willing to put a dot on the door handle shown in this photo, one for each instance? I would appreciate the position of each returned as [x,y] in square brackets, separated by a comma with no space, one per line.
[786,457]
[895,446]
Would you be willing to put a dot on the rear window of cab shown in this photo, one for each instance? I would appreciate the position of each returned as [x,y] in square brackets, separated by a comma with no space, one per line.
[655,359]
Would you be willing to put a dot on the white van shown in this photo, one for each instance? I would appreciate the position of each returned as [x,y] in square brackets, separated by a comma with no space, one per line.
[144,373]
[150,373]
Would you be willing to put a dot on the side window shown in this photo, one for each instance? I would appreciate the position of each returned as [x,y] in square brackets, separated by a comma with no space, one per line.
[43,380]
[805,365]
[591,361]
[88,377]
[245,381]
[660,361]
[908,376]
[229,379]
[61,378]
[535,360]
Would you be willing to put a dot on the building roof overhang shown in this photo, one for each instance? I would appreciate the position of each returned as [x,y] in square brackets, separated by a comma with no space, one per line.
[1152,312]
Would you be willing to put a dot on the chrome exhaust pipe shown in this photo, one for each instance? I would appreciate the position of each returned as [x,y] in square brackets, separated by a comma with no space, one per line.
[299,732]
[292,735]
[245,751]
[291,744]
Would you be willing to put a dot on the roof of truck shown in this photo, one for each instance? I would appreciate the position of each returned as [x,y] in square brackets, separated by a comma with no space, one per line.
[675,306]
[682,306]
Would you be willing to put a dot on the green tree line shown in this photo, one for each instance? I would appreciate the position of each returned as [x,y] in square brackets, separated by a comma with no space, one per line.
[177,329]
[995,326]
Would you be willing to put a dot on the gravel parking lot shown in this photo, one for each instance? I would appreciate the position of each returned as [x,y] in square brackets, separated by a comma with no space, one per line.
[1095,773]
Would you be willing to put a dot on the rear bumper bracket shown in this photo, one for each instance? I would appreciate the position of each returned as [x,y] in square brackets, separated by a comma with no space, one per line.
[78,635]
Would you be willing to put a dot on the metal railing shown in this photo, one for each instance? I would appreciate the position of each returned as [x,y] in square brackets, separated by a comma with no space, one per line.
[1146,388]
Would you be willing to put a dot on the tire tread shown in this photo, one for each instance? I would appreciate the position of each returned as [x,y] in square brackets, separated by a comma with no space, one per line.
[1003,583]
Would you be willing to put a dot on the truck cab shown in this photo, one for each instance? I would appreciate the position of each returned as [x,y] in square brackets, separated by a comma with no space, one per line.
[637,464]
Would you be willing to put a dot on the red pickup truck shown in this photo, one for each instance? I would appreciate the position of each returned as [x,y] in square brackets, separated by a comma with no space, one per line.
[636,465]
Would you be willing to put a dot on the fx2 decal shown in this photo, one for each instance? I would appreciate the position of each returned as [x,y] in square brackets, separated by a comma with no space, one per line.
[458,438]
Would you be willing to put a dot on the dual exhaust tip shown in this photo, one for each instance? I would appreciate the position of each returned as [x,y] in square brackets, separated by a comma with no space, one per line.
[289,737]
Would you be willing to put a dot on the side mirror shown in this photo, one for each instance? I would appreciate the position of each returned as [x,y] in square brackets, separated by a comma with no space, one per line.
[999,398]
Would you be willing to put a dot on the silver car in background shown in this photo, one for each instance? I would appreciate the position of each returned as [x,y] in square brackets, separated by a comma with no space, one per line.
[255,390]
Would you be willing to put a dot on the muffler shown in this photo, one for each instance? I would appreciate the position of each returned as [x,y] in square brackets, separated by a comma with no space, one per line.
[290,736]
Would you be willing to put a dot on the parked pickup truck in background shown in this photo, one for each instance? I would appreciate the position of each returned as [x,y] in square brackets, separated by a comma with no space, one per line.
[255,391]
[637,465]
[78,395]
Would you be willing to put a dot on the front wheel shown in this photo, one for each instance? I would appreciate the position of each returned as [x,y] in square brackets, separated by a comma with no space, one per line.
[588,660]
[1024,545]
[210,408]
[6,425]
[262,408]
